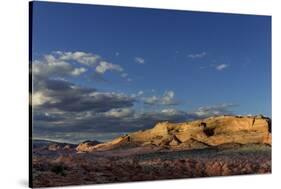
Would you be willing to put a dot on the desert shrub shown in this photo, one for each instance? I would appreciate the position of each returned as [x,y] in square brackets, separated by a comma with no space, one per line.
[59,170]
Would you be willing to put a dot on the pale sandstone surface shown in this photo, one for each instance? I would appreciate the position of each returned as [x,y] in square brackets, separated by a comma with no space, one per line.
[197,134]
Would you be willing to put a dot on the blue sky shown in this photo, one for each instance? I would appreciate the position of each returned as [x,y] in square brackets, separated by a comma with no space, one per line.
[165,60]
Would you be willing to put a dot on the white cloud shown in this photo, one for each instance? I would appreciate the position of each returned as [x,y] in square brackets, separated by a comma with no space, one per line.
[39,98]
[220,109]
[170,112]
[221,67]
[65,96]
[62,64]
[50,58]
[78,71]
[151,100]
[49,66]
[102,95]
[90,59]
[105,66]
[57,64]
[119,112]
[197,55]
[139,60]
[166,99]
[138,94]
[81,57]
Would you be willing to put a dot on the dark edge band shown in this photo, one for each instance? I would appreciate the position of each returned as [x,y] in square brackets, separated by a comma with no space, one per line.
[30,20]
[271,86]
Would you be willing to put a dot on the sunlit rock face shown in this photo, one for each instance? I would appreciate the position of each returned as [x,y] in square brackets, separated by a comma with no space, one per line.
[205,133]
[86,146]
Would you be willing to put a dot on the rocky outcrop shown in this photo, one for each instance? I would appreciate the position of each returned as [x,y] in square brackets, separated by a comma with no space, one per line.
[86,146]
[56,146]
[116,143]
[209,132]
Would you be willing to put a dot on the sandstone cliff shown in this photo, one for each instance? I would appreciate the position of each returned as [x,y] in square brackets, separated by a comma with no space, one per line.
[209,132]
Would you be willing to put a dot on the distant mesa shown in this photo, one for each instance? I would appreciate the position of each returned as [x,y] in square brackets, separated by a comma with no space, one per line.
[206,133]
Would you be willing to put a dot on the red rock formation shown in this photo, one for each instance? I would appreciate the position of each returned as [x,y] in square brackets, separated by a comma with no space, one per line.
[197,134]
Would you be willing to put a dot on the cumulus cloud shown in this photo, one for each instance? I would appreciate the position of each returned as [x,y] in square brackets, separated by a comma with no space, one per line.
[221,109]
[78,71]
[63,110]
[39,98]
[139,60]
[65,96]
[173,112]
[119,112]
[221,67]
[106,66]
[197,55]
[67,64]
[49,66]
[88,59]
[60,106]
[168,98]
[151,100]
[113,121]
[138,94]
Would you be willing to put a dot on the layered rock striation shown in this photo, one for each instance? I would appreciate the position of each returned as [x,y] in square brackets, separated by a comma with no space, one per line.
[205,133]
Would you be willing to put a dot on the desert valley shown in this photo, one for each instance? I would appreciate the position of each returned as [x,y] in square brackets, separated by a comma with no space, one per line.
[214,146]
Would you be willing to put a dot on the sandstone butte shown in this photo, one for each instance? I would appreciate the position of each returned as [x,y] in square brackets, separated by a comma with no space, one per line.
[198,134]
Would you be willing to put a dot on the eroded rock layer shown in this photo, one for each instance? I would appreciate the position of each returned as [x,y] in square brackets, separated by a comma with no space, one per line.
[209,132]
